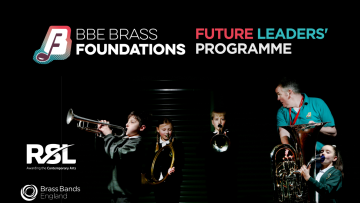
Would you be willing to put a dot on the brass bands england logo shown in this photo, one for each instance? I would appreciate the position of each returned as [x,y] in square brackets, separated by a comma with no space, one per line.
[29,192]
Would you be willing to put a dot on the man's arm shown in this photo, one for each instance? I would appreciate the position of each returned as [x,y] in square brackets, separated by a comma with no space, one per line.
[284,135]
[331,131]
[326,116]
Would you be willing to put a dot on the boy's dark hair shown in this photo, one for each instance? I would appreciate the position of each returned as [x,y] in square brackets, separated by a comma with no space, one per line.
[141,116]
[289,83]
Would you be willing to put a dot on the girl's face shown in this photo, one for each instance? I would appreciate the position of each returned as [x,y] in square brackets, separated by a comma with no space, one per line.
[165,130]
[329,153]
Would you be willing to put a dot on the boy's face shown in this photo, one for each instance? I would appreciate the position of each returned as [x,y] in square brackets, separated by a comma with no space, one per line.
[164,130]
[133,127]
[218,118]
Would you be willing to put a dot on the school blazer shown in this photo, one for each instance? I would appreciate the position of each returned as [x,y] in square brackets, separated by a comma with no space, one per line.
[329,186]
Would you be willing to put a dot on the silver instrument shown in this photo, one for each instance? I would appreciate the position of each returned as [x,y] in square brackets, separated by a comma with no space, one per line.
[83,124]
[220,142]
[316,158]
[286,159]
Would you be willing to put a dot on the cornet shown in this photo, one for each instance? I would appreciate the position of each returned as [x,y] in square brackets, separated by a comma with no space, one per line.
[220,142]
[82,126]
[316,158]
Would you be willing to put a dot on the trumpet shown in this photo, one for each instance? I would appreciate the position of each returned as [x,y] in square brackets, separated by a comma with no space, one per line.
[220,142]
[83,124]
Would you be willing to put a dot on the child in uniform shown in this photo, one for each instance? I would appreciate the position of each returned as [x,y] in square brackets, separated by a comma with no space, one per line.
[126,154]
[220,187]
[169,190]
[329,179]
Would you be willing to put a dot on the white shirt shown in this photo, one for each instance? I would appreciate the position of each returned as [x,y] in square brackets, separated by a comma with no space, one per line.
[318,176]
[296,109]
[136,136]
[163,143]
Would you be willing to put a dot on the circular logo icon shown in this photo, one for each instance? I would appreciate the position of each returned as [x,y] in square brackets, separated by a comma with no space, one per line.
[29,192]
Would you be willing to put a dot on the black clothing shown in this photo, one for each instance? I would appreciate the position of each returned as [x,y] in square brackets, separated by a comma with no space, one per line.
[219,166]
[169,190]
[121,200]
[126,155]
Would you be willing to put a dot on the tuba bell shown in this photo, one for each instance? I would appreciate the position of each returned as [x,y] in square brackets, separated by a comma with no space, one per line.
[286,159]
[220,142]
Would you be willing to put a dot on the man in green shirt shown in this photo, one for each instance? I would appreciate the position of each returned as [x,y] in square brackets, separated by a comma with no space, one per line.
[298,108]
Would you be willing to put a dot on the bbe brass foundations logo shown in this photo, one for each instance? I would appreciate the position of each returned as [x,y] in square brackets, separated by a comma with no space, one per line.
[99,35]
[52,156]
[30,192]
[56,45]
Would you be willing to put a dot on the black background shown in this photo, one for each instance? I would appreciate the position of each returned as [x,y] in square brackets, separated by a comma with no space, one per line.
[96,86]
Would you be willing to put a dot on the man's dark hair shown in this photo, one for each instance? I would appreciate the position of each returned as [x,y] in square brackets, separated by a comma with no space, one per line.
[141,116]
[289,83]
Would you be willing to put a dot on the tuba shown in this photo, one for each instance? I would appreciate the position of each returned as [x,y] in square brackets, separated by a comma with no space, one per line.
[220,142]
[83,124]
[153,180]
[289,185]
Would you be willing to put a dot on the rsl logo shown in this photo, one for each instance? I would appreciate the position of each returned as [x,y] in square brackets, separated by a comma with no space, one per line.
[308,115]
[54,154]
[56,45]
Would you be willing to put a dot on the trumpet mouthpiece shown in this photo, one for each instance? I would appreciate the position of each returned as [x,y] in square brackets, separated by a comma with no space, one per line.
[322,158]
[317,158]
